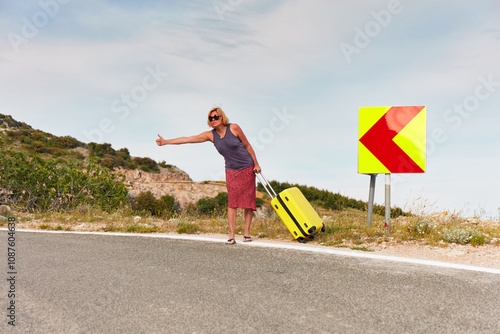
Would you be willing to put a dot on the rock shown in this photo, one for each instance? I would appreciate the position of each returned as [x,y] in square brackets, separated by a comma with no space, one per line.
[5,209]
[173,182]
[166,175]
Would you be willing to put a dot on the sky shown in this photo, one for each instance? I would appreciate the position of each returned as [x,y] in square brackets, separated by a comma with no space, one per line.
[293,74]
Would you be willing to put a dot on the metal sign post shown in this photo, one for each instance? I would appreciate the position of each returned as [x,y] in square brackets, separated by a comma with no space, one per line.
[370,199]
[388,201]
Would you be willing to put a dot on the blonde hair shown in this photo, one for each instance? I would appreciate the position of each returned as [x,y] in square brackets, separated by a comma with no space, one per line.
[220,112]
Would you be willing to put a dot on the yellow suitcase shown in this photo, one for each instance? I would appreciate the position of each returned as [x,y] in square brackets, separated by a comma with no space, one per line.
[295,211]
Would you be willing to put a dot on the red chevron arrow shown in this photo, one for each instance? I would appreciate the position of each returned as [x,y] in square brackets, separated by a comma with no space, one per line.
[379,140]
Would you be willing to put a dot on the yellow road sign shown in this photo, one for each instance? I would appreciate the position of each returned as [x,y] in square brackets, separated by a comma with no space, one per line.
[392,140]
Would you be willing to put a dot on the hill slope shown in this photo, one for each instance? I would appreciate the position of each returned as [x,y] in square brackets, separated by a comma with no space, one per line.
[141,173]
[21,137]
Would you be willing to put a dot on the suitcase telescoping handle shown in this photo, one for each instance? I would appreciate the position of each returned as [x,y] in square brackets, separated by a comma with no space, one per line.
[266,185]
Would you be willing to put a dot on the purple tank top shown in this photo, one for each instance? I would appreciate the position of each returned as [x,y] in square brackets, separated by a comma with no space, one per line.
[232,149]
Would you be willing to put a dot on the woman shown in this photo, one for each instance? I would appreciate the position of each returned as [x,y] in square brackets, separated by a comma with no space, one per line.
[241,163]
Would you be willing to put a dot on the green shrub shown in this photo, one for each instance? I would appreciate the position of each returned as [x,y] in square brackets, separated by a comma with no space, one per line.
[478,239]
[463,236]
[206,205]
[215,205]
[108,157]
[146,201]
[420,228]
[146,164]
[142,229]
[100,150]
[169,206]
[25,140]
[66,142]
[165,165]
[38,147]
[189,229]
[39,135]
[56,152]
[124,154]
[36,184]
[395,211]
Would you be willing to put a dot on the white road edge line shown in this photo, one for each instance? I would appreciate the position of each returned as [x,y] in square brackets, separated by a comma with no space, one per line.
[315,249]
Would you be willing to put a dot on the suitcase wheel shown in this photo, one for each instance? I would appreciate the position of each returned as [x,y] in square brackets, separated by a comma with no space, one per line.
[312,231]
[301,240]
[323,228]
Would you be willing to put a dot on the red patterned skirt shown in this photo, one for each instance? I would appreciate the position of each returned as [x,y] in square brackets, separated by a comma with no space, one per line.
[241,188]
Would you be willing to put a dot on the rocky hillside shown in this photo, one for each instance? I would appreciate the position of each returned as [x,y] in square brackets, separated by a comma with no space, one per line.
[142,174]
[175,183]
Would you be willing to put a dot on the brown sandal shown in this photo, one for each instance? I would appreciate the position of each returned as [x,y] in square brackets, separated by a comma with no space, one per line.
[230,242]
[247,239]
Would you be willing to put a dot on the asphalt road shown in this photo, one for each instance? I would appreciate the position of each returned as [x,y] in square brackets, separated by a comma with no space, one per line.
[71,283]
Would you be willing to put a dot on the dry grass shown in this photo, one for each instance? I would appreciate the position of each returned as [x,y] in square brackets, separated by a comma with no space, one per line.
[343,228]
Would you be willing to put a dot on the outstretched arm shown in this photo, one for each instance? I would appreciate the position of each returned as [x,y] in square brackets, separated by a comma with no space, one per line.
[202,137]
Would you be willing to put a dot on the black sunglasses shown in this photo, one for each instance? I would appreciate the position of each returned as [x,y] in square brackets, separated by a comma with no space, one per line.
[216,117]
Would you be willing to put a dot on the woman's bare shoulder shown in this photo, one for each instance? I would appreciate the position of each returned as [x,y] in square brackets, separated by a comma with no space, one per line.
[235,127]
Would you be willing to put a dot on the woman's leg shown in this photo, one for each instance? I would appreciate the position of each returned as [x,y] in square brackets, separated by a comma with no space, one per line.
[231,216]
[248,221]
